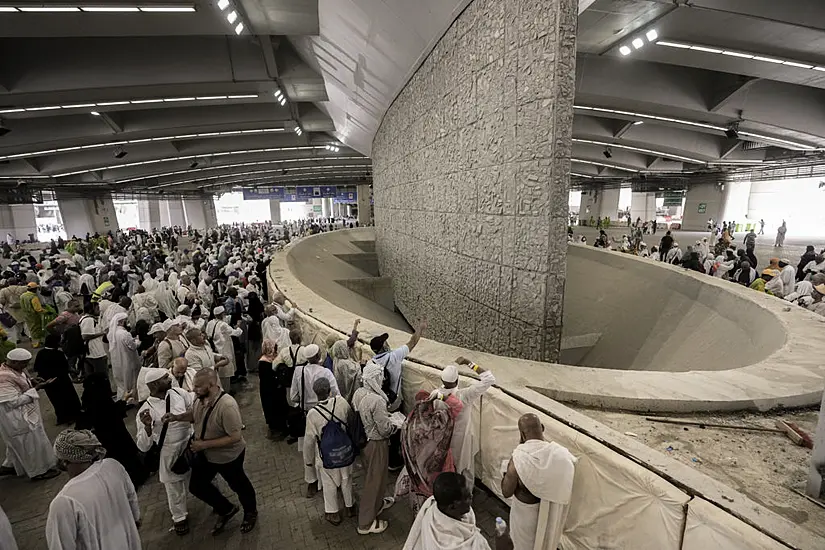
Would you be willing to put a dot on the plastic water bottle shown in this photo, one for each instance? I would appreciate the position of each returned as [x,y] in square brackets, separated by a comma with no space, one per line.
[501,527]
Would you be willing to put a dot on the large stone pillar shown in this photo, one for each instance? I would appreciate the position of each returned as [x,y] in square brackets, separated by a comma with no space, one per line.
[643,205]
[81,216]
[364,207]
[149,214]
[479,143]
[172,213]
[703,201]
[275,210]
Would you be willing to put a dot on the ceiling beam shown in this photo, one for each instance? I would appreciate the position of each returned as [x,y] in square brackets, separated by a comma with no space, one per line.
[623,129]
[729,90]
[33,163]
[728,147]
[112,121]
[269,45]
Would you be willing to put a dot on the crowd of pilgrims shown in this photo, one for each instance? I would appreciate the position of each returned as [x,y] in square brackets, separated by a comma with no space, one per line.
[172,323]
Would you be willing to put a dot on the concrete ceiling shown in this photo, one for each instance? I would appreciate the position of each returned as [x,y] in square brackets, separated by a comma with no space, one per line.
[341,63]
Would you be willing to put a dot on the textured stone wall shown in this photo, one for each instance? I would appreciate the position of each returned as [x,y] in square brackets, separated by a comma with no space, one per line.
[471,171]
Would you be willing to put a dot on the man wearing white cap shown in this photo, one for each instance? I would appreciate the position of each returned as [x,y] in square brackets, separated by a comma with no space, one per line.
[28,450]
[465,433]
[220,334]
[164,398]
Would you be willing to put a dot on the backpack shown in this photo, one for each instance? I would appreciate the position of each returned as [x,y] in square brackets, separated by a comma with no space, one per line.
[73,344]
[357,433]
[334,445]
[386,387]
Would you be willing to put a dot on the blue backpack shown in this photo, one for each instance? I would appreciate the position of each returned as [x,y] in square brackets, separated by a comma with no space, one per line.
[335,445]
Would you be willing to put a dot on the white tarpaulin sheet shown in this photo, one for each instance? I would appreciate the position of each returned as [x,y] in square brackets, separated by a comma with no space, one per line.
[616,503]
[710,528]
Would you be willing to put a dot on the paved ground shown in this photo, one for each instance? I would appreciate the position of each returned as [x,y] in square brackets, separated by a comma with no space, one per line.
[793,249]
[287,519]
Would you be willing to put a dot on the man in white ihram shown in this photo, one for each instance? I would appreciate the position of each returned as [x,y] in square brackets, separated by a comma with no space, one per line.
[465,443]
[539,477]
[149,429]
[98,508]
[28,449]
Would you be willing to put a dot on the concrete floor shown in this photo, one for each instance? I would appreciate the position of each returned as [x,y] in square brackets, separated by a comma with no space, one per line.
[793,249]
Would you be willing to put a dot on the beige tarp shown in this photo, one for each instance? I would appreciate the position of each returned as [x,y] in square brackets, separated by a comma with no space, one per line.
[709,527]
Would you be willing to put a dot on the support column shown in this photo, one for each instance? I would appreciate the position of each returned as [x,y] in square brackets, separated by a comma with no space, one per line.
[149,214]
[194,212]
[704,201]
[364,206]
[642,205]
[602,203]
[275,210]
[81,216]
[18,220]
[210,213]
[172,213]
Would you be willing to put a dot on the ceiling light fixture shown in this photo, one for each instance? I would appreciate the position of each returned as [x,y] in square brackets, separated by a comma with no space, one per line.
[652,35]
[746,55]
[638,43]
[578,175]
[278,94]
[604,164]
[298,130]
[168,9]
[624,50]
[133,102]
[638,122]
[95,113]
[48,9]
[239,28]
[714,127]
[232,16]
[7,9]
[112,9]
[223,4]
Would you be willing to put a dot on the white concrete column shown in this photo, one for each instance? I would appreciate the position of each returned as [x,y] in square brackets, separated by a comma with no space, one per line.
[275,210]
[702,202]
[149,214]
[172,213]
[609,204]
[643,205]
[194,212]
[81,216]
[816,484]
[364,206]
[17,220]
[209,211]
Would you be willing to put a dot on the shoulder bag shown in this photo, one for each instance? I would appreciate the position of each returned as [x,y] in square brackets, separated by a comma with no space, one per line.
[152,457]
[188,458]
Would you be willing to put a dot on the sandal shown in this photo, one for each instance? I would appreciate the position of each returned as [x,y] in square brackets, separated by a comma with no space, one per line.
[47,475]
[377,526]
[351,511]
[334,519]
[388,502]
[249,521]
[223,520]
[182,528]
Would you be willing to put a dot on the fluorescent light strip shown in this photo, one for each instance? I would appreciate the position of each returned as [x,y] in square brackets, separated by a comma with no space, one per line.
[186,157]
[7,9]
[133,102]
[714,127]
[113,9]
[639,150]
[745,55]
[323,170]
[144,140]
[48,9]
[248,173]
[603,164]
[235,165]
[578,175]
[167,9]
[287,177]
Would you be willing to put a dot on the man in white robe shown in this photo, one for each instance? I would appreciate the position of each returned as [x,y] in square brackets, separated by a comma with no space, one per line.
[446,519]
[7,541]
[327,410]
[149,429]
[539,477]
[98,507]
[205,292]
[142,299]
[219,331]
[272,329]
[28,449]
[465,441]
[123,355]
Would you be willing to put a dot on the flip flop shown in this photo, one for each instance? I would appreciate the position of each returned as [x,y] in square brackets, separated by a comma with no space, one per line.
[376,527]
[182,528]
[223,520]
[249,521]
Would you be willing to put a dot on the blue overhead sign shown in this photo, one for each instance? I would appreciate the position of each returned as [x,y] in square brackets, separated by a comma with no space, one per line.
[302,193]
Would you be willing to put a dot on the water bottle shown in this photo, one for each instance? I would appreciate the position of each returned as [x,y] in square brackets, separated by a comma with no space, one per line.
[501,527]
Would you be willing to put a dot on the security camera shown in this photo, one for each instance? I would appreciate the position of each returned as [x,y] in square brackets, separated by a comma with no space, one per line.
[120,152]
[4,130]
